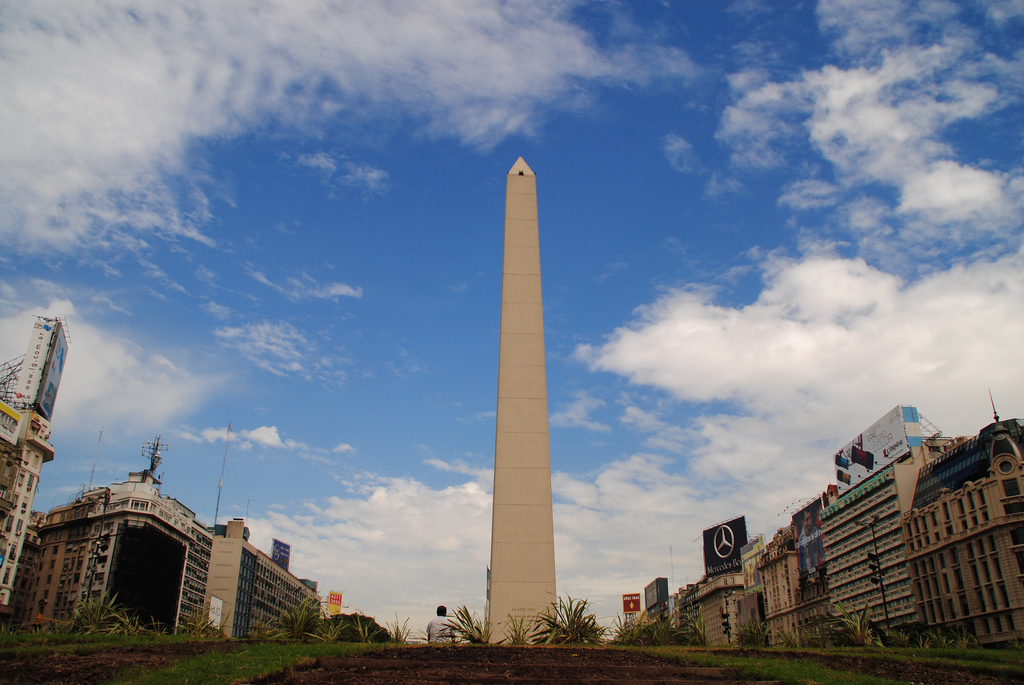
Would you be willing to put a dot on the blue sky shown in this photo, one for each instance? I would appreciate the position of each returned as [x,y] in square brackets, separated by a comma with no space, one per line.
[763,225]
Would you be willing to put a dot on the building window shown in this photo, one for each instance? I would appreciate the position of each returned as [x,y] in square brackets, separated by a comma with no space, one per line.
[1011,487]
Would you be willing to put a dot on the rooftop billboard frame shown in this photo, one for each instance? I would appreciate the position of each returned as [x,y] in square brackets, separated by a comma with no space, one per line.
[885,441]
[722,544]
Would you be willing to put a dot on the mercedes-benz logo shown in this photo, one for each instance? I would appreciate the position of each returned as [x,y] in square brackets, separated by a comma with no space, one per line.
[725,542]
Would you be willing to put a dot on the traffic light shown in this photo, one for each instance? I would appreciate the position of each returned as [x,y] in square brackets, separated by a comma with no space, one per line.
[875,567]
[104,542]
[725,624]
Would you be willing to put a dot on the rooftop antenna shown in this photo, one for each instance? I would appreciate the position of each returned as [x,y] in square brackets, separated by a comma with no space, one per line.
[220,484]
[152,451]
[993,402]
[95,459]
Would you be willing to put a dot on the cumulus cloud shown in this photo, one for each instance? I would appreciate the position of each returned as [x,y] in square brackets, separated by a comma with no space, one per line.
[577,414]
[277,347]
[104,105]
[883,118]
[680,154]
[828,346]
[609,525]
[109,379]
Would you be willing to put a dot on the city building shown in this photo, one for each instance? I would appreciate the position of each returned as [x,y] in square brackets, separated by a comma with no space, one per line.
[716,597]
[20,466]
[127,540]
[28,391]
[965,535]
[26,578]
[865,550]
[781,576]
[247,585]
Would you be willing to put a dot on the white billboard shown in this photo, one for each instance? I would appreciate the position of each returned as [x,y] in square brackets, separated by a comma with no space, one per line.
[54,370]
[31,375]
[885,441]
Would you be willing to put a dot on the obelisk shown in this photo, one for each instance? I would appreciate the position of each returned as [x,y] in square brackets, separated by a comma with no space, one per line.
[522,531]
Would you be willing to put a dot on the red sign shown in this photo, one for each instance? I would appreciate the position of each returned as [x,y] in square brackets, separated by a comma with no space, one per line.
[631,604]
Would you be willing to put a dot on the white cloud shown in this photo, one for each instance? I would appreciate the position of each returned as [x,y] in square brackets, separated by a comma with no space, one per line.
[885,119]
[109,379]
[397,545]
[809,194]
[343,448]
[275,347]
[826,349]
[577,414]
[680,154]
[305,287]
[103,104]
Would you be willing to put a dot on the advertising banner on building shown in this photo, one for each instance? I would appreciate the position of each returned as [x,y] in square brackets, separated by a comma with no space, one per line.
[53,371]
[884,442]
[280,553]
[631,603]
[750,557]
[656,593]
[35,362]
[722,546]
[810,545]
[9,420]
[749,608]
[334,603]
[216,609]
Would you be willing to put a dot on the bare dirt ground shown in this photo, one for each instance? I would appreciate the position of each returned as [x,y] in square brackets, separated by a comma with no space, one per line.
[454,664]
[99,666]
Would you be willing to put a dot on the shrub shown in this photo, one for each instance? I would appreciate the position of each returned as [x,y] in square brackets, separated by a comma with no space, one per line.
[567,622]
[519,630]
[98,615]
[847,628]
[301,620]
[753,633]
[694,630]
[399,632]
[468,628]
[787,639]
[647,632]
[197,623]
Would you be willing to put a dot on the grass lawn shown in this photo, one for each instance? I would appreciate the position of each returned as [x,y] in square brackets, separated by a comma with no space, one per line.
[158,659]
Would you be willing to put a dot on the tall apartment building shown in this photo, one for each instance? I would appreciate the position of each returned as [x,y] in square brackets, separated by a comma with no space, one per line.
[717,597]
[781,577]
[127,540]
[26,578]
[249,585]
[965,535]
[866,521]
[20,465]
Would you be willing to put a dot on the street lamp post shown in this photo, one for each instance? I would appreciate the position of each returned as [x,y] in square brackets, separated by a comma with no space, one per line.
[875,565]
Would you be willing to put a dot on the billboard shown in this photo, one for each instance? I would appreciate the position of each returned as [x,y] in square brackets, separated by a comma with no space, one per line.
[810,544]
[334,603]
[216,610]
[9,420]
[750,557]
[656,593]
[885,441]
[35,360]
[631,603]
[722,545]
[280,553]
[53,371]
